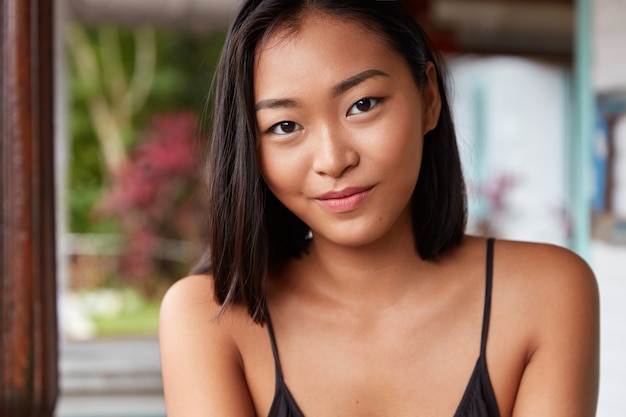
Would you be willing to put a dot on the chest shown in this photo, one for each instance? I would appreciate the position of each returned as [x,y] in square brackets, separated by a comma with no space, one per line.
[399,370]
[428,385]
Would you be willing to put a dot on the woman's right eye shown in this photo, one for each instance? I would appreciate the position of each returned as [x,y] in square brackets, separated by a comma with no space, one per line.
[284,128]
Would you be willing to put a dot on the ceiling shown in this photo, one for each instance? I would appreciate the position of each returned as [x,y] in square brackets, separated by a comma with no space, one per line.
[522,27]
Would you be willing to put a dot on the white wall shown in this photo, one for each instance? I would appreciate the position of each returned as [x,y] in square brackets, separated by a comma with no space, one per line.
[609,38]
[520,134]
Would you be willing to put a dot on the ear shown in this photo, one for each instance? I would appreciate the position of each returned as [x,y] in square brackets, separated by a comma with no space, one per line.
[432,99]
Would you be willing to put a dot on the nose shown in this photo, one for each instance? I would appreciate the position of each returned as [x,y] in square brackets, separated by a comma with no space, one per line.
[334,152]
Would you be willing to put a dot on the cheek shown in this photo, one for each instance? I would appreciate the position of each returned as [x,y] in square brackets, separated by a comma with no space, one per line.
[284,171]
[398,145]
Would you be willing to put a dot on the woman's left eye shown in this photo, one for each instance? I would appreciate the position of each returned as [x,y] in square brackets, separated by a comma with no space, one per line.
[363,105]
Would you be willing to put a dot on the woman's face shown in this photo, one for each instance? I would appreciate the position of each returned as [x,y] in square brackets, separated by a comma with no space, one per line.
[340,128]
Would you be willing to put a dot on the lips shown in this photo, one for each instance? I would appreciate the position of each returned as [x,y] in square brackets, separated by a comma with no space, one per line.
[344,200]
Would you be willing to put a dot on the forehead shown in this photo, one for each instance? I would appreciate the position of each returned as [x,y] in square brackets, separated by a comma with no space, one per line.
[320,45]
[308,21]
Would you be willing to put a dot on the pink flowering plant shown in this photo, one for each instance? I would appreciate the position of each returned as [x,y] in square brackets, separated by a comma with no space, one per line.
[490,199]
[157,197]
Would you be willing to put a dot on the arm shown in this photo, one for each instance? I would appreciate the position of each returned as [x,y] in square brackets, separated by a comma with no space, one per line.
[201,366]
[561,375]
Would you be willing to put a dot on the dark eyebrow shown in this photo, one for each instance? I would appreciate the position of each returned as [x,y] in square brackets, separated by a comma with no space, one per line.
[355,80]
[275,103]
[337,90]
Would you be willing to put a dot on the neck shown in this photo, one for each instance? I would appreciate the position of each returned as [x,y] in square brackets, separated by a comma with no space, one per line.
[380,273]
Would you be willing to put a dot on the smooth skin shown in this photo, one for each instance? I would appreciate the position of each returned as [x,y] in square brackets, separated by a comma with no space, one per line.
[364,326]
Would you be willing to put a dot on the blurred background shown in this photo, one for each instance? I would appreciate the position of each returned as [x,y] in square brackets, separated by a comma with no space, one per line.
[539,98]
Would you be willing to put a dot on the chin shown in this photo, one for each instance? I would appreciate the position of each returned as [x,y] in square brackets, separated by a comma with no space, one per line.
[360,235]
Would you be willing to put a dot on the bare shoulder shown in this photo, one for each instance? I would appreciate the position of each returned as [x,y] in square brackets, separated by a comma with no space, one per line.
[189,310]
[545,300]
[189,296]
[546,282]
[552,272]
[200,360]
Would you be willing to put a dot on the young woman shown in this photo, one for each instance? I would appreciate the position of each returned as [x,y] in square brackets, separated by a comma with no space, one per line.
[340,280]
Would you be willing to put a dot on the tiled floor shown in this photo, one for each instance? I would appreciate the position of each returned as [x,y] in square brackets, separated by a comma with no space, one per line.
[111,378]
[111,406]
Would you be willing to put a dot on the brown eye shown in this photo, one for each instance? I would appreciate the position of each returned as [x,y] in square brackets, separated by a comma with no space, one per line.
[363,105]
[284,128]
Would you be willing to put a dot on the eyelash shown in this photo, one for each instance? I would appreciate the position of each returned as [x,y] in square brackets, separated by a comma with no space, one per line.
[373,101]
[273,128]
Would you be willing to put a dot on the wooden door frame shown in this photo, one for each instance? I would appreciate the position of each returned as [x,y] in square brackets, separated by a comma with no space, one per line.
[28,320]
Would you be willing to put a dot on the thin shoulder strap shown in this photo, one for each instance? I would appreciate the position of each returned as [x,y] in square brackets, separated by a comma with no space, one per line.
[487,309]
[270,330]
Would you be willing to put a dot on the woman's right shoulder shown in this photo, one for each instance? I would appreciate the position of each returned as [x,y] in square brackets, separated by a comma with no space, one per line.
[190,295]
[200,359]
[190,311]
[191,300]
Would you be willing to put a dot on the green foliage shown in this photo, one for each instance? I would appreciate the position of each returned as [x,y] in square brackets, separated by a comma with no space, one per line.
[184,80]
[141,322]
[120,312]
[184,71]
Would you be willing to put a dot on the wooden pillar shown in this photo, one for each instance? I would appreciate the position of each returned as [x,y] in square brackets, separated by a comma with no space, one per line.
[28,327]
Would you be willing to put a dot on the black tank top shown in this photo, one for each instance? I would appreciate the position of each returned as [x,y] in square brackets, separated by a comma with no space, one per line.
[478,399]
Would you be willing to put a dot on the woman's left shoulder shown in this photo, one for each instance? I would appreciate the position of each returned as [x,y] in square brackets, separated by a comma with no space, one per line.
[546,320]
[551,287]
[544,268]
